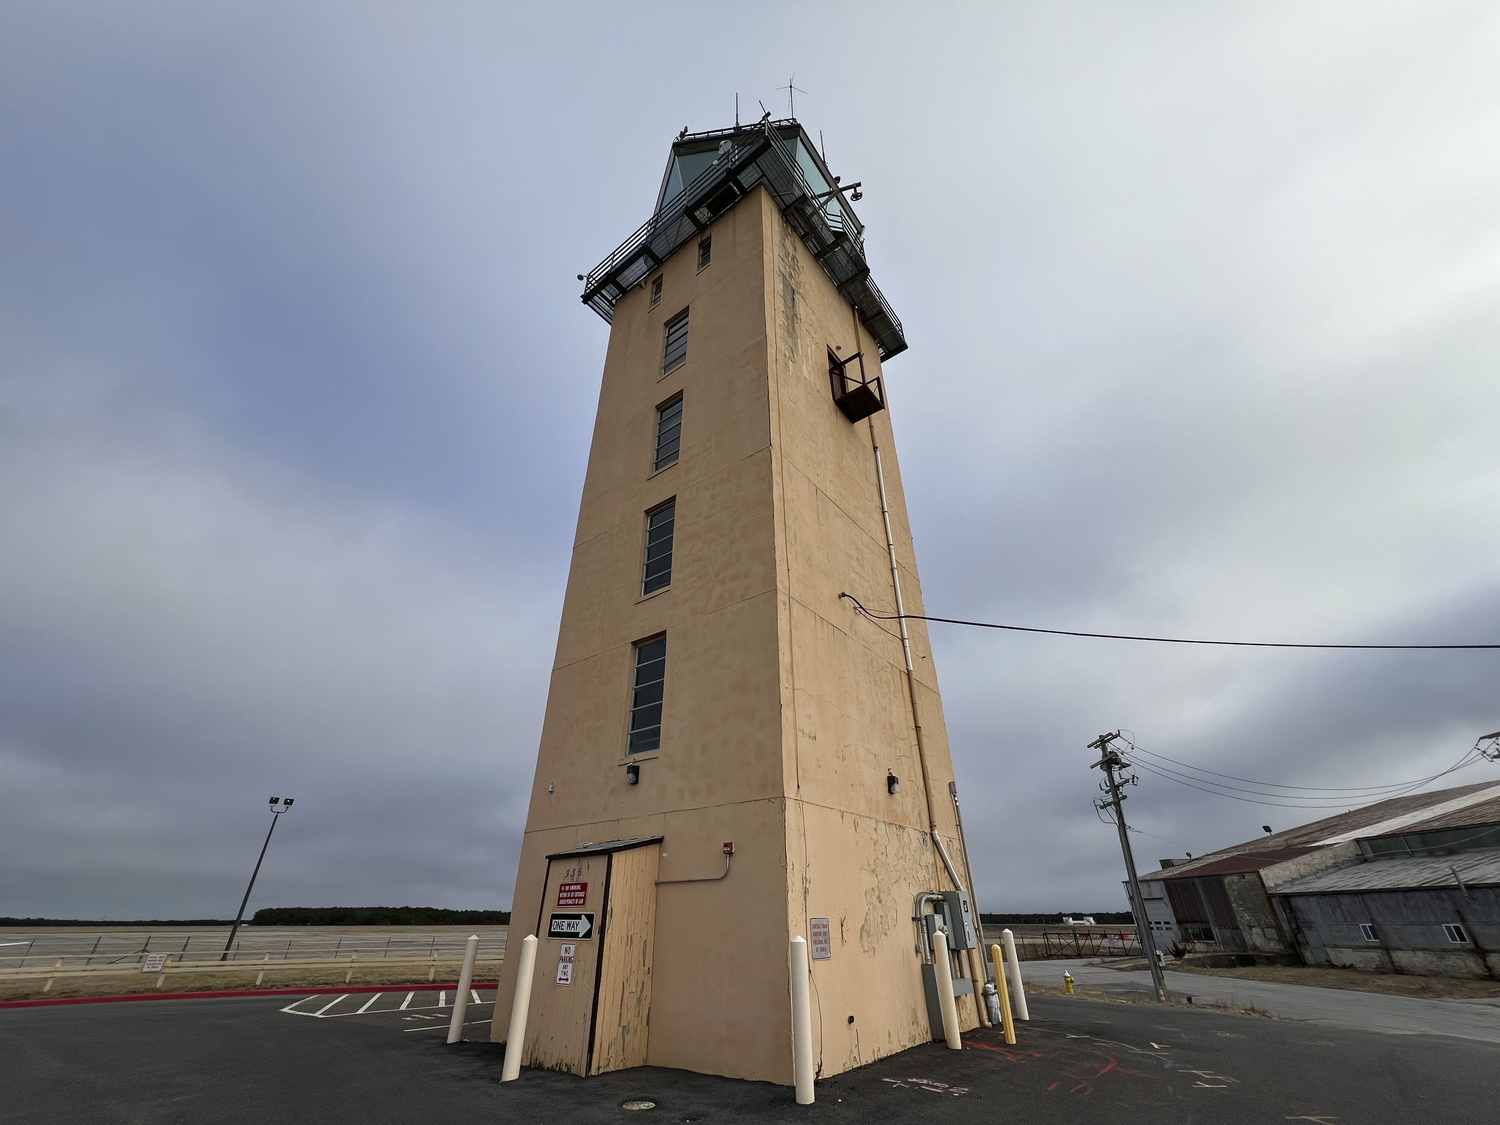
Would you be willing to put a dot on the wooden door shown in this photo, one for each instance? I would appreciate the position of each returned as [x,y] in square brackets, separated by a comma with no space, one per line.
[567,967]
[623,1011]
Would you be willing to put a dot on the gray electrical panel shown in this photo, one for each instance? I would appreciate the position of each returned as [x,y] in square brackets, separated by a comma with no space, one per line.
[961,927]
[962,986]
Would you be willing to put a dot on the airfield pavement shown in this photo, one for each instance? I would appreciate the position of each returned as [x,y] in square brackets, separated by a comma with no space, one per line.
[373,1058]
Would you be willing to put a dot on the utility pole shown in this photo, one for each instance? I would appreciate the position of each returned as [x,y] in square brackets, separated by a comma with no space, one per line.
[275,815]
[1110,761]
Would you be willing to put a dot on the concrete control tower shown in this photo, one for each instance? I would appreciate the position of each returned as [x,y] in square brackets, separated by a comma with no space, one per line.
[732,754]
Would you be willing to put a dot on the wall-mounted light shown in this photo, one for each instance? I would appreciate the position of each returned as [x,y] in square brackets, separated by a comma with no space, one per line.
[633,774]
[892,783]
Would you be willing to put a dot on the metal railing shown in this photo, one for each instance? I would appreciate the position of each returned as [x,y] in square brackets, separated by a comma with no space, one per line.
[106,950]
[824,221]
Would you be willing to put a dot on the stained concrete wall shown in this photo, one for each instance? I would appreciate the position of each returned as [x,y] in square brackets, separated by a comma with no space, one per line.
[1409,929]
[1252,908]
[784,709]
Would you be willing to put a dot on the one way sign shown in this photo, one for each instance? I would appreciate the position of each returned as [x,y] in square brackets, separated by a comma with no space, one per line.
[571,927]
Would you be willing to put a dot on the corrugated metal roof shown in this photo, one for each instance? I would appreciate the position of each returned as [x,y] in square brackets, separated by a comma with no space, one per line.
[1483,812]
[1309,837]
[1478,869]
[1231,864]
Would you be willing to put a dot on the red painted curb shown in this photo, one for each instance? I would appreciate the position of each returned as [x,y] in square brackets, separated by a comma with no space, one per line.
[347,989]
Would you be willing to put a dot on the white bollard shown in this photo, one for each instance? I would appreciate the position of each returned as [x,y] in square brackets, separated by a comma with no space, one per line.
[515,1039]
[802,1054]
[946,1000]
[1013,968]
[461,997]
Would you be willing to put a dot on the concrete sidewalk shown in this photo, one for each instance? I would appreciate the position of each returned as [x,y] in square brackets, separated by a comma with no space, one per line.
[1367,1011]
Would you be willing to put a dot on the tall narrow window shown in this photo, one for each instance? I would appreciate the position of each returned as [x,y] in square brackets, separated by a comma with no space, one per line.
[645,700]
[656,292]
[675,350]
[668,434]
[705,252]
[659,548]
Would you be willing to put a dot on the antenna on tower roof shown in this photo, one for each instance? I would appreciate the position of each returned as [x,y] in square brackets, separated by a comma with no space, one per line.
[792,90]
[736,111]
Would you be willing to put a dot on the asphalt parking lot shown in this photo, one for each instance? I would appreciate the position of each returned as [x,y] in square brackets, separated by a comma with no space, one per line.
[271,1060]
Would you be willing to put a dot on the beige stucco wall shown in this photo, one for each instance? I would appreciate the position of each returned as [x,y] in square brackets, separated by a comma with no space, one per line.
[783,708]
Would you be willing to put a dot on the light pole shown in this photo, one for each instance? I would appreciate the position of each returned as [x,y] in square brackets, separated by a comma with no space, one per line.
[275,815]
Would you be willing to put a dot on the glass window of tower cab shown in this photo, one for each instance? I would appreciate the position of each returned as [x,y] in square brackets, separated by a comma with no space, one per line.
[733,755]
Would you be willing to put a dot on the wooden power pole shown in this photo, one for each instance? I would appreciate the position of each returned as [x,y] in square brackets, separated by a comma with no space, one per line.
[1110,761]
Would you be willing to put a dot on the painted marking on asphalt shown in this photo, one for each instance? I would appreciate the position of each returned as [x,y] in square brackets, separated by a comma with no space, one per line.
[325,1007]
[1319,1120]
[368,1002]
[442,999]
[467,1023]
[405,1002]
[292,1007]
[927,1084]
[1161,1046]
[474,995]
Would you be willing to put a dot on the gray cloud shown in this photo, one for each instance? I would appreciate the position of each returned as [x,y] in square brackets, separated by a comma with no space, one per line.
[295,395]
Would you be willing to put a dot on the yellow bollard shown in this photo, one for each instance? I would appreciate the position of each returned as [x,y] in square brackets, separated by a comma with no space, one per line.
[1068,982]
[1007,1021]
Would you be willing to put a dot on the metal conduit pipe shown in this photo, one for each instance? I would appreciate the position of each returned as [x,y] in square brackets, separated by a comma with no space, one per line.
[976,966]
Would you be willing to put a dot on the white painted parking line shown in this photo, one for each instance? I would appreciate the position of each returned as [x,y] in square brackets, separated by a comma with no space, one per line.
[292,1007]
[473,995]
[405,1002]
[442,999]
[368,1002]
[325,1007]
[444,1027]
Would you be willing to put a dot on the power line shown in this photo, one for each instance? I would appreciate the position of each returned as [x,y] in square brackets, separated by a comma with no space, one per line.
[1470,757]
[1322,799]
[1354,790]
[1156,640]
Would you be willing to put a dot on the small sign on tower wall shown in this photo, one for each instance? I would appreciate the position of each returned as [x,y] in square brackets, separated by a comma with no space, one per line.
[822,942]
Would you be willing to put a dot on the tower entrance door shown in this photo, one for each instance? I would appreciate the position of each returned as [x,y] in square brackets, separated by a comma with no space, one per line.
[591,995]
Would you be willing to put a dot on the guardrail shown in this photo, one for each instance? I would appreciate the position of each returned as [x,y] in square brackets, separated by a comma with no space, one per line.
[172,965]
[128,949]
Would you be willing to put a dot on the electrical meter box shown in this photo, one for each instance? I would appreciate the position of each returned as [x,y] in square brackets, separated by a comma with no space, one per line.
[962,927]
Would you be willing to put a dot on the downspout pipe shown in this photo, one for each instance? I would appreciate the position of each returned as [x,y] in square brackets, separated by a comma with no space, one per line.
[976,967]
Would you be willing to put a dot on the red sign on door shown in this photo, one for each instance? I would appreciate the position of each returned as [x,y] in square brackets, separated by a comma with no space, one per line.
[571,894]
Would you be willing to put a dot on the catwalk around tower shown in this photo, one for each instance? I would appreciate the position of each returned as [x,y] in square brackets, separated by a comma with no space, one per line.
[732,756]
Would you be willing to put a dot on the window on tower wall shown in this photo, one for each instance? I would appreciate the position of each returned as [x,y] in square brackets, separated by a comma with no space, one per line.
[705,252]
[659,523]
[675,349]
[656,292]
[646,699]
[668,434]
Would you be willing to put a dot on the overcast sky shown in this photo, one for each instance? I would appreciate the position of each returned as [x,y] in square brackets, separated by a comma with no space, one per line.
[296,394]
